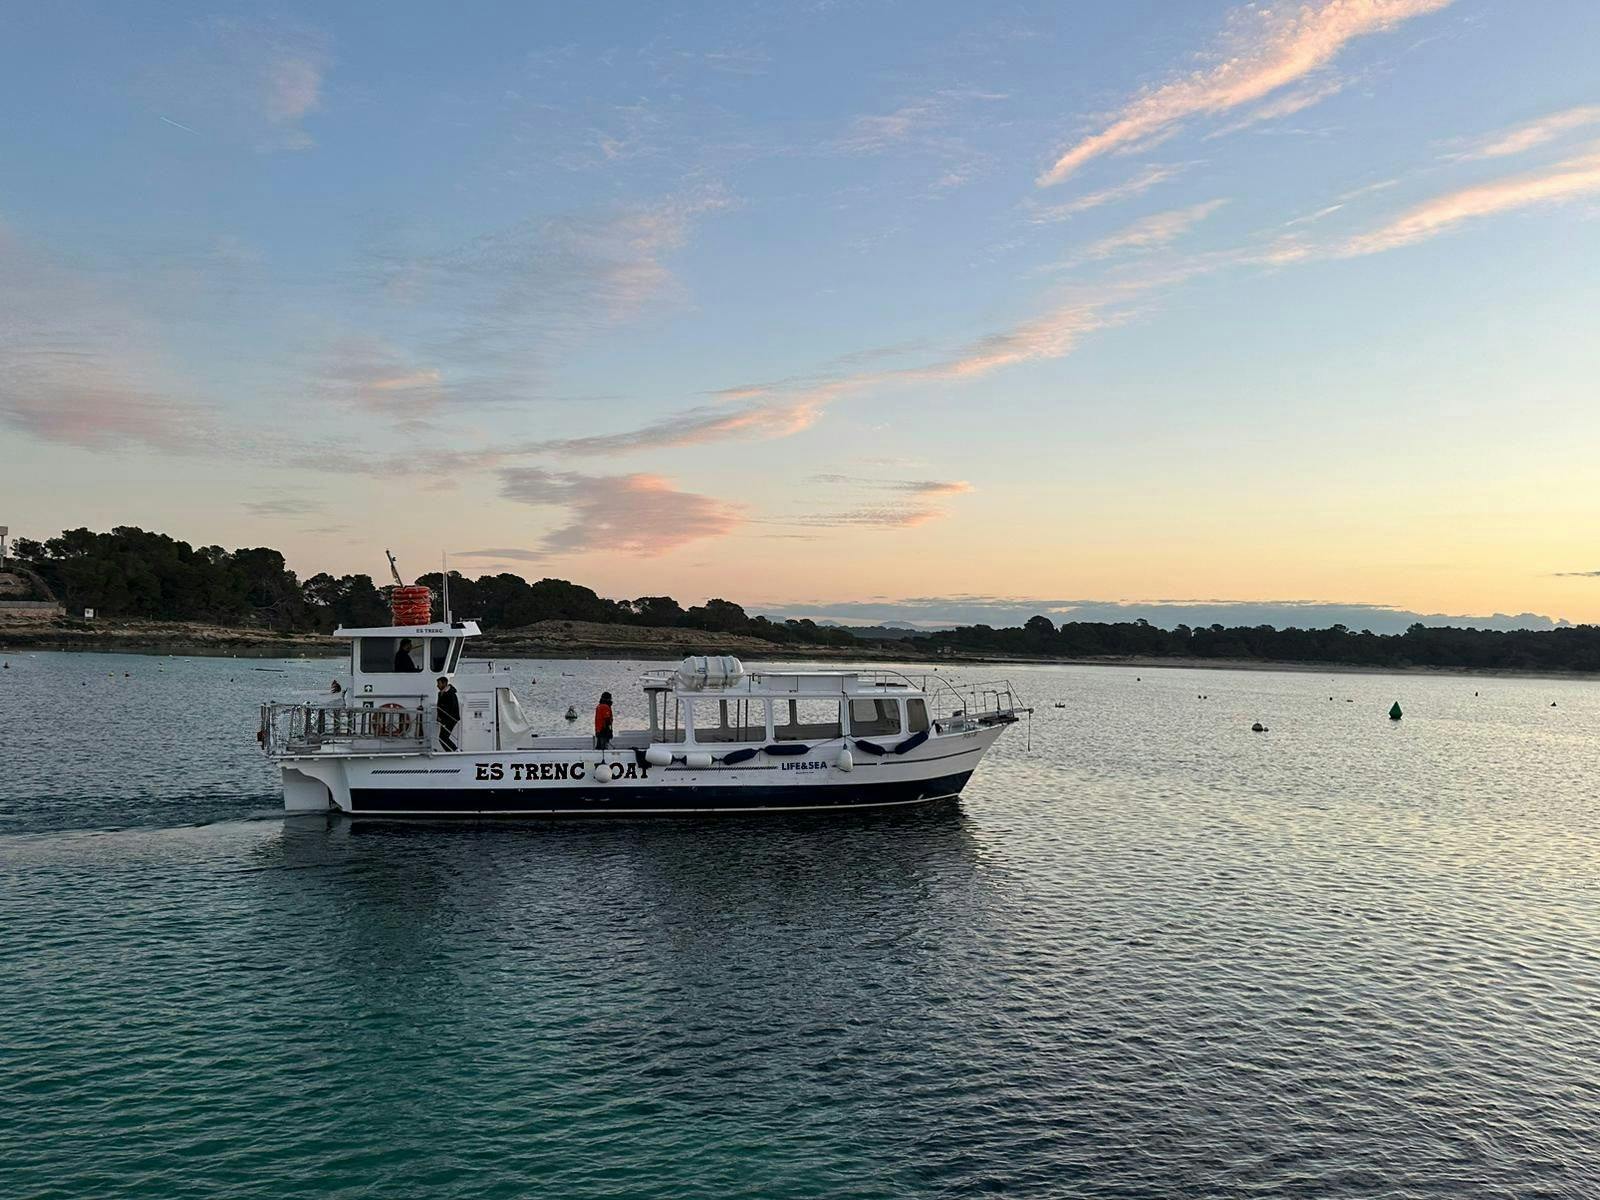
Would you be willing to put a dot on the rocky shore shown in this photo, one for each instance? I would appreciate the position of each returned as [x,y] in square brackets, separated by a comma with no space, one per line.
[546,639]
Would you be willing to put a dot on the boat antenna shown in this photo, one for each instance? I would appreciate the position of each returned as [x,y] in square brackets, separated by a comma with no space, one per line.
[444,574]
[393,570]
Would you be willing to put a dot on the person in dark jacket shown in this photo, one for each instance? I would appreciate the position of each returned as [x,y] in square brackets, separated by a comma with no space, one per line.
[449,712]
[402,657]
[602,722]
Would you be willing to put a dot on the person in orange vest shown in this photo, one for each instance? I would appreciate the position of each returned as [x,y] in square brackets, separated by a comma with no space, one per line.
[602,722]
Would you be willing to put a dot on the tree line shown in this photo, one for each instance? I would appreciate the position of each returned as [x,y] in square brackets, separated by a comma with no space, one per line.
[1571,648]
[130,572]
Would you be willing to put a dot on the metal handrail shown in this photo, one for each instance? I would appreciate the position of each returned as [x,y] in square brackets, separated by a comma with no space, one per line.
[307,728]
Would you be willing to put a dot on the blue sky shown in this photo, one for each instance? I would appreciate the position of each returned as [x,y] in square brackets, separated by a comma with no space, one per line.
[821,305]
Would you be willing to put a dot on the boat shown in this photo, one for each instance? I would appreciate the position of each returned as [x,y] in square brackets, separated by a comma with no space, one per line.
[720,739]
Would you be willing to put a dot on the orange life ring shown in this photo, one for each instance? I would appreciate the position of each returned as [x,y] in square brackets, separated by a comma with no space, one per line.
[390,723]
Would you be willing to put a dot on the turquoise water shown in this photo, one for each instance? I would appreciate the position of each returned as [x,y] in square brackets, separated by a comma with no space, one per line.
[1152,955]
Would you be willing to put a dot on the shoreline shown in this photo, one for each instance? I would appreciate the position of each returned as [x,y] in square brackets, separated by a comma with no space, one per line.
[586,640]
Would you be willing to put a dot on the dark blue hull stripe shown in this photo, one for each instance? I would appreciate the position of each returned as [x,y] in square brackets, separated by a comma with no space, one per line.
[538,801]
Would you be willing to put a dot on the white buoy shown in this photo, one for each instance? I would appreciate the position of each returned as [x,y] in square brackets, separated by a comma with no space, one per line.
[699,760]
[845,761]
[658,756]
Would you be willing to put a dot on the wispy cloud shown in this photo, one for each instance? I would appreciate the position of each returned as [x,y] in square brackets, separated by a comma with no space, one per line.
[243,81]
[775,410]
[1268,49]
[279,506]
[627,514]
[1577,574]
[758,422]
[1148,233]
[1533,134]
[1283,106]
[922,121]
[526,291]
[1041,214]
[915,502]
[1557,184]
[374,375]
[80,367]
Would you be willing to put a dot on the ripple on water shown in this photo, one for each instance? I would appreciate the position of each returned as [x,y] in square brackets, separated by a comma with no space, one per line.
[1153,955]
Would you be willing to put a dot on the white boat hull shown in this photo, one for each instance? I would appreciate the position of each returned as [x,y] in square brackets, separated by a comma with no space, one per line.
[550,781]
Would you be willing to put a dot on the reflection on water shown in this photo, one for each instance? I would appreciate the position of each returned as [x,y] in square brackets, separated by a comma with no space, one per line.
[1156,954]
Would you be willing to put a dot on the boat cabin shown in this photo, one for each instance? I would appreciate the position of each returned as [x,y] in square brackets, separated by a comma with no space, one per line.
[688,707]
[402,662]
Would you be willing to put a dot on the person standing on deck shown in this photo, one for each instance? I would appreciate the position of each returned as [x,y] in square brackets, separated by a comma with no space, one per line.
[449,713]
[602,722]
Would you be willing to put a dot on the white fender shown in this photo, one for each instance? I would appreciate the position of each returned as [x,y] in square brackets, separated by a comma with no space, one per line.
[845,761]
[658,756]
[600,771]
[698,760]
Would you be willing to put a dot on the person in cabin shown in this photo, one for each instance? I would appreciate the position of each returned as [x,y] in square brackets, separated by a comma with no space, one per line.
[449,713]
[602,722]
[402,657]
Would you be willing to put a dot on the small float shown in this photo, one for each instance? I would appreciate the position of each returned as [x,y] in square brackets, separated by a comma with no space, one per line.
[718,738]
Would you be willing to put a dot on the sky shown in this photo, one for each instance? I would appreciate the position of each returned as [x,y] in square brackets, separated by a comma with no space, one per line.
[862,311]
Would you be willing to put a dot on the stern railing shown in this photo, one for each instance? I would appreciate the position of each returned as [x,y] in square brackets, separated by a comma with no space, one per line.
[314,728]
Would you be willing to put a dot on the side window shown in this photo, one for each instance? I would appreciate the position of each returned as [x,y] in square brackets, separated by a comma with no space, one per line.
[439,654]
[377,655]
[874,718]
[739,719]
[455,656]
[917,716]
[806,720]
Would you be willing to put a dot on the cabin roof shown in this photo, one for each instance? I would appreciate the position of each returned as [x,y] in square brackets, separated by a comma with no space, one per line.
[463,629]
[779,684]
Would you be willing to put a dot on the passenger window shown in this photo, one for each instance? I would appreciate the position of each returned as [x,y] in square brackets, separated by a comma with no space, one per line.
[809,720]
[740,719]
[439,654]
[874,718]
[917,716]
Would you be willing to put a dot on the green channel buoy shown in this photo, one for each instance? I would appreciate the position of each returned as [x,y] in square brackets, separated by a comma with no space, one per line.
[1394,712]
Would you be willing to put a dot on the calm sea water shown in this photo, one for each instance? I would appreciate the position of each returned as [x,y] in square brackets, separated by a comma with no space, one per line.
[1152,955]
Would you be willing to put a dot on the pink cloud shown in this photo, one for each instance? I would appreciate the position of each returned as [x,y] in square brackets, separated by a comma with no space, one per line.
[1536,133]
[1563,182]
[627,514]
[1271,49]
[80,368]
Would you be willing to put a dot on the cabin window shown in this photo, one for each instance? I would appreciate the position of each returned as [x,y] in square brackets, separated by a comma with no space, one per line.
[874,718]
[386,655]
[439,654]
[455,655]
[735,719]
[917,716]
[806,720]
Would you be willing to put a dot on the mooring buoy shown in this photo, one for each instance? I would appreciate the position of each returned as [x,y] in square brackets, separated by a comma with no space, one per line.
[1394,712]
